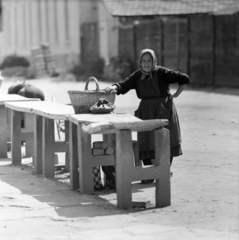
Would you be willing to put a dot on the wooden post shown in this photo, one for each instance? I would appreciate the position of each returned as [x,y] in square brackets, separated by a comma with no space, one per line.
[16,137]
[84,158]
[177,41]
[38,125]
[3,131]
[162,159]
[48,141]
[213,50]
[73,156]
[136,54]
[189,47]
[124,164]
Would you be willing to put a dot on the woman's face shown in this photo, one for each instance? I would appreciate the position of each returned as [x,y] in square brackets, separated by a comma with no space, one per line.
[147,62]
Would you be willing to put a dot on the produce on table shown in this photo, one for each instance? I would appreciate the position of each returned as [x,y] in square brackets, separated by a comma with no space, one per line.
[102,106]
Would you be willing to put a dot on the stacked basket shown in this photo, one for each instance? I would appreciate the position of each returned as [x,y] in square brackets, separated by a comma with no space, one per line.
[83,100]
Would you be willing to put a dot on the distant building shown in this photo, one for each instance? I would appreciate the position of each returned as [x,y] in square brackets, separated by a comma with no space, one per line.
[75,30]
[199,37]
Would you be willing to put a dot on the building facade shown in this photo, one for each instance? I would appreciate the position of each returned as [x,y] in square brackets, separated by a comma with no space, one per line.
[74,30]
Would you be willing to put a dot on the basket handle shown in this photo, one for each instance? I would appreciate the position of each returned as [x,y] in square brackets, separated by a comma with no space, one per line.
[92,79]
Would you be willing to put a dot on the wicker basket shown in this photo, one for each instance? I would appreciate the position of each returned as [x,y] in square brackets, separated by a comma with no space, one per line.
[83,100]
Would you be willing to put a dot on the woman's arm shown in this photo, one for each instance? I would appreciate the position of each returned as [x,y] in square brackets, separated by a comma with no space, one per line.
[111,89]
[179,90]
[172,77]
[124,86]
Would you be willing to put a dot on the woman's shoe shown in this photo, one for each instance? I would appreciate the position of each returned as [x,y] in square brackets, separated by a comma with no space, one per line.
[148,181]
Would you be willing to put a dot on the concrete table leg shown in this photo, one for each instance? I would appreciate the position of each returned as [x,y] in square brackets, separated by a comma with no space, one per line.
[28,119]
[16,137]
[38,166]
[84,158]
[124,165]
[73,157]
[67,163]
[110,139]
[4,132]
[48,146]
[162,159]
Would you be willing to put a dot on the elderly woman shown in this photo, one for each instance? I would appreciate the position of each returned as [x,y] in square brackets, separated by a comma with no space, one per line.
[152,86]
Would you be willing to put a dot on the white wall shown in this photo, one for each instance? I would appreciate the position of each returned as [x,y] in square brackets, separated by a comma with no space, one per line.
[29,23]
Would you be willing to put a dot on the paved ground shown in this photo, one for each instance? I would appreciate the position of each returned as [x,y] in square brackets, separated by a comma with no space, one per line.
[204,186]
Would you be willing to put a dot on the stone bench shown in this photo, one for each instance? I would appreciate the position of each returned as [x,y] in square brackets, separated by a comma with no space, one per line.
[82,126]
[45,146]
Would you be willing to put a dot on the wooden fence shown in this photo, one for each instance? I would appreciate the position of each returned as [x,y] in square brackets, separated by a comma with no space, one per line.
[204,46]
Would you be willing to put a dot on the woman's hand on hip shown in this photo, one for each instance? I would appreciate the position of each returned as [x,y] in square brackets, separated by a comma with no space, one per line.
[173,95]
[179,91]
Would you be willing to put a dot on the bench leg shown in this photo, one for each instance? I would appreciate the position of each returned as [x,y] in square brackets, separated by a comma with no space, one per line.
[28,118]
[138,162]
[48,142]
[84,158]
[124,164]
[67,158]
[4,132]
[162,159]
[110,139]
[73,157]
[38,166]
[16,137]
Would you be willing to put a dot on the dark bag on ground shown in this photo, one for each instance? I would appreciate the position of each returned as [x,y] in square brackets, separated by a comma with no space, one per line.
[109,172]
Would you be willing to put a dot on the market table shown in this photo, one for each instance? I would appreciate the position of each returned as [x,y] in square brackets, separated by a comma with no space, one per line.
[120,127]
[4,119]
[45,146]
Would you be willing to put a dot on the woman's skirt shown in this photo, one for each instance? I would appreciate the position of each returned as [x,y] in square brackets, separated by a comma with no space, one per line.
[158,108]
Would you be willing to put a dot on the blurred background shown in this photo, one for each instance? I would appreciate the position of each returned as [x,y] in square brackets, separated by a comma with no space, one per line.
[74,39]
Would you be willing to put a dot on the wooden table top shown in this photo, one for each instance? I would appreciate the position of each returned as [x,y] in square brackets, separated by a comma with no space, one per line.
[47,109]
[109,118]
[111,123]
[14,98]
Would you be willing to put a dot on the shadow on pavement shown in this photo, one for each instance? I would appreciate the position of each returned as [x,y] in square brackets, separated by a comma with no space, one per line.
[34,192]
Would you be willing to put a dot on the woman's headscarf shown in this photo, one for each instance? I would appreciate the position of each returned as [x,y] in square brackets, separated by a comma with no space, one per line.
[154,59]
